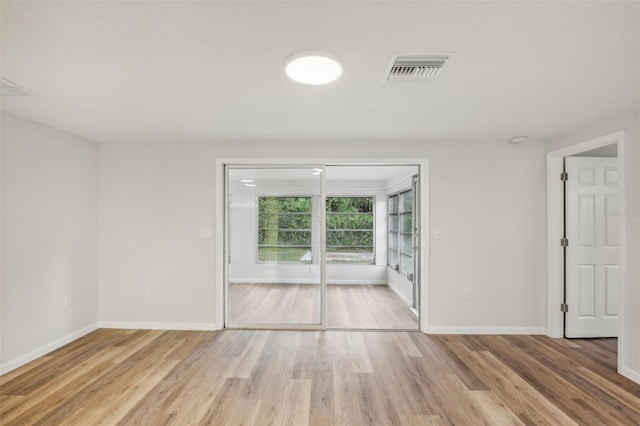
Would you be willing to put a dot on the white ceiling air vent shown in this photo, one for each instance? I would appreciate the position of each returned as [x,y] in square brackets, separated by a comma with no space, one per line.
[414,67]
[9,88]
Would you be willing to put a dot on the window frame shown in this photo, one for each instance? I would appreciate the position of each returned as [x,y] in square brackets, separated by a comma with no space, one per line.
[258,245]
[392,235]
[396,236]
[373,229]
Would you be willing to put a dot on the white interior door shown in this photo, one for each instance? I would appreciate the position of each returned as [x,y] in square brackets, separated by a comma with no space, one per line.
[592,274]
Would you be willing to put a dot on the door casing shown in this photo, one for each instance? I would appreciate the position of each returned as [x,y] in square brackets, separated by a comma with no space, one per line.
[221,196]
[555,230]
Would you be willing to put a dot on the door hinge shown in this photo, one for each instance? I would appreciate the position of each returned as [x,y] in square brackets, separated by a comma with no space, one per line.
[564,242]
[564,176]
[564,307]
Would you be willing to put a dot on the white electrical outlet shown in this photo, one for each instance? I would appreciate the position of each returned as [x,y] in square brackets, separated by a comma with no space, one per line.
[467,294]
[437,234]
[68,301]
[145,290]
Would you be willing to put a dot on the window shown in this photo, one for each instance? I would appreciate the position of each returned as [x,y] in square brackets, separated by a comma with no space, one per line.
[406,232]
[392,258]
[401,228]
[350,229]
[284,229]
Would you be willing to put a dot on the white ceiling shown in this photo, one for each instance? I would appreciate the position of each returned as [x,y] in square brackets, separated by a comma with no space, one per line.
[202,71]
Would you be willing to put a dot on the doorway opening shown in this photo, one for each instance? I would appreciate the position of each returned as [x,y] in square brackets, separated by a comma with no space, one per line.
[586,239]
[322,246]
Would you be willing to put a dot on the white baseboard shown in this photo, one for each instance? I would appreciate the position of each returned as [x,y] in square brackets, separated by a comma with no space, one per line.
[630,374]
[294,281]
[400,295]
[486,330]
[160,325]
[45,349]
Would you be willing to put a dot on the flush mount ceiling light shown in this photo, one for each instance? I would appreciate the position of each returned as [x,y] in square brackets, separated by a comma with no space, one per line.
[313,68]
[518,140]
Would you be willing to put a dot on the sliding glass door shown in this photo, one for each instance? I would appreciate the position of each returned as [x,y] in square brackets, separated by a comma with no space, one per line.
[327,246]
[274,238]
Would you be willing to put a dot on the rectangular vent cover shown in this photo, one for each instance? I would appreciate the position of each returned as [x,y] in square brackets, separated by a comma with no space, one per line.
[9,88]
[414,67]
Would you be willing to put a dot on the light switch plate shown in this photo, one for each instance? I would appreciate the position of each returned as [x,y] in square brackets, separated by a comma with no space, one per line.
[205,233]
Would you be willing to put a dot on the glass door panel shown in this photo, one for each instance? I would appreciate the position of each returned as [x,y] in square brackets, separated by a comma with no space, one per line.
[370,247]
[273,246]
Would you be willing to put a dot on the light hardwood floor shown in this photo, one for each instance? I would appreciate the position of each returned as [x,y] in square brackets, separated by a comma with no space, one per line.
[260,377]
[368,306]
[348,306]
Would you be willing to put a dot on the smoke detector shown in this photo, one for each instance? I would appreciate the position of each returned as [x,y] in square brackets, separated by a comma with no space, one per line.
[414,67]
[9,88]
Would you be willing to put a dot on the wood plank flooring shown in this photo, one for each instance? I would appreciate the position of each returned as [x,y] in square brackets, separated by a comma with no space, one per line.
[274,303]
[368,306]
[260,377]
[348,306]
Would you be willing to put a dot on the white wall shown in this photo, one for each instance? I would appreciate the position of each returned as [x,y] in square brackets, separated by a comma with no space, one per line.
[488,197]
[49,239]
[154,200]
[489,203]
[630,326]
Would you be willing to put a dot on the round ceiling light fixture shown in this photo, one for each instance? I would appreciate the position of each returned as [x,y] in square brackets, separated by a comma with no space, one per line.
[313,68]
[518,140]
